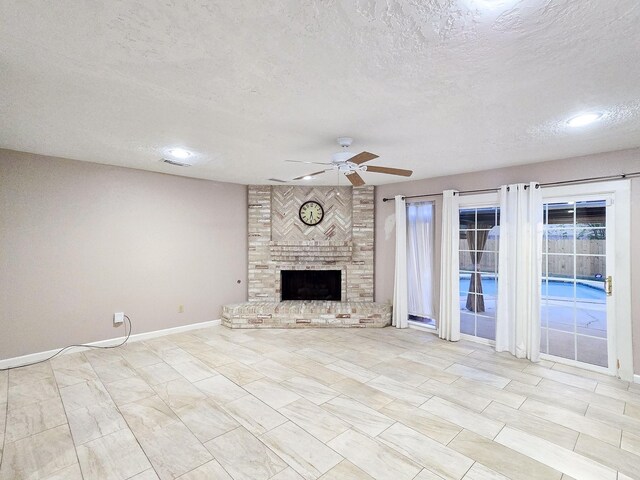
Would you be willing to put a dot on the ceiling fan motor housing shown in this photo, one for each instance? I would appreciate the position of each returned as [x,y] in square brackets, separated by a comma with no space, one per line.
[345,142]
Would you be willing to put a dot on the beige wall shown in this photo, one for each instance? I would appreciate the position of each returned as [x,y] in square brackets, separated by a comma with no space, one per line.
[79,241]
[612,163]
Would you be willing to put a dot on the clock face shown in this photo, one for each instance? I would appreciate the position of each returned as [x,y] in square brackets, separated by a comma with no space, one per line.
[311,213]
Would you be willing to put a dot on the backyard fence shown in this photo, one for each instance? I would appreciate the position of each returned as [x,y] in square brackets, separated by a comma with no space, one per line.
[559,261]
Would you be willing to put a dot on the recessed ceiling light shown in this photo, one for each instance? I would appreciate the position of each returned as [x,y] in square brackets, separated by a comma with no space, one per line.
[584,119]
[179,153]
[307,177]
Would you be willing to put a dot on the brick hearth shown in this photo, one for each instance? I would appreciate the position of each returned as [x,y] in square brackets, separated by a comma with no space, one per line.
[301,314]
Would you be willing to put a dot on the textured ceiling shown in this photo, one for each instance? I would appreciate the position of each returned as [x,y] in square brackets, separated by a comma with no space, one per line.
[437,86]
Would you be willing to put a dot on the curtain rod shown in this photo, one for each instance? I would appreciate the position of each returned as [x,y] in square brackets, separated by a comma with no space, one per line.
[622,176]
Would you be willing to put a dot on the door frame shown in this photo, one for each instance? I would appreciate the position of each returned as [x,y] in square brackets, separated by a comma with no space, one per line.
[618,253]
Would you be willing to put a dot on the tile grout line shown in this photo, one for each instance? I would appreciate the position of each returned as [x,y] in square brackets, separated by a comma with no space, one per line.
[225,411]
[351,426]
[174,412]
[470,467]
[186,426]
[575,444]
[455,436]
[125,421]
[64,408]
[259,437]
[394,422]
[177,416]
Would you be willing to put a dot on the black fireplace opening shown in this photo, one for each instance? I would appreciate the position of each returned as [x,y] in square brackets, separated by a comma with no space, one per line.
[311,284]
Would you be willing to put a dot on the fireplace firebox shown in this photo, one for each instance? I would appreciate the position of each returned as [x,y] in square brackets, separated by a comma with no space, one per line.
[311,285]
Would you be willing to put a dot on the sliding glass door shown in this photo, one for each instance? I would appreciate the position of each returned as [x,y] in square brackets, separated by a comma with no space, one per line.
[585,310]
[585,294]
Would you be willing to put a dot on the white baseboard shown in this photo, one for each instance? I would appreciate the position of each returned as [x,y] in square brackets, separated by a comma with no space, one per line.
[636,379]
[36,357]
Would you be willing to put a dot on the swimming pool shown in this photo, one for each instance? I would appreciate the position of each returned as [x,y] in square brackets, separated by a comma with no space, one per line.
[551,289]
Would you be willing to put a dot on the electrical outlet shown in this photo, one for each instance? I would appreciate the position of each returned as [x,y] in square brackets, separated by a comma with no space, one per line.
[118,318]
[180,308]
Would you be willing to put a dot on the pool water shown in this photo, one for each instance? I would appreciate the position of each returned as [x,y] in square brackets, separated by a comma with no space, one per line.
[552,288]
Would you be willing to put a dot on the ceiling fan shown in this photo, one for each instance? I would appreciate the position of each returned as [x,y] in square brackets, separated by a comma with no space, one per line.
[350,164]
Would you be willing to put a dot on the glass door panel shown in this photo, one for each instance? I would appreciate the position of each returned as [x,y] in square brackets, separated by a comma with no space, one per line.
[479,234]
[574,302]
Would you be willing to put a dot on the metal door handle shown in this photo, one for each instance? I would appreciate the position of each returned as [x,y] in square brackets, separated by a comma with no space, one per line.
[608,285]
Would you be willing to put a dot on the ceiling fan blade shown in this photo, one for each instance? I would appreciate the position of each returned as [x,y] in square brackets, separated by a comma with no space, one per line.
[390,171]
[355,179]
[314,163]
[362,157]
[311,174]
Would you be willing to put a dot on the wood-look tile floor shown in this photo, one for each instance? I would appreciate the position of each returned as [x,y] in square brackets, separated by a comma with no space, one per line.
[305,404]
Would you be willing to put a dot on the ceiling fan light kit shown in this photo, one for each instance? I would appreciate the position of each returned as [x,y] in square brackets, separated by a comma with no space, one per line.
[341,156]
[350,164]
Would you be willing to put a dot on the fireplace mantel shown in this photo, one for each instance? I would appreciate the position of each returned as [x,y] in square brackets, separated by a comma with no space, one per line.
[302,252]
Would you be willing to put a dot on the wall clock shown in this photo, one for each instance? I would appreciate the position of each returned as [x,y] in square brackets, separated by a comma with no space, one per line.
[311,213]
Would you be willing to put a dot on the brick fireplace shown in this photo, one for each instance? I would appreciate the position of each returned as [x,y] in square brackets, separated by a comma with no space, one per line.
[279,240]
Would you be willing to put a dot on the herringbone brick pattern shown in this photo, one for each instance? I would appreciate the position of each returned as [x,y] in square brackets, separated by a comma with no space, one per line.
[287,226]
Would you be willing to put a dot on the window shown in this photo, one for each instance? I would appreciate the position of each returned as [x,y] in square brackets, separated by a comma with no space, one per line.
[479,234]
[420,262]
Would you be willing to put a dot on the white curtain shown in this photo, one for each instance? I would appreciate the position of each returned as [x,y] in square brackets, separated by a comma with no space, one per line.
[420,258]
[449,319]
[400,297]
[520,271]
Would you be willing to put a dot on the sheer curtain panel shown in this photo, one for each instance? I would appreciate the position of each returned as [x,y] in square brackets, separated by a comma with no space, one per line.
[520,269]
[400,296]
[420,258]
[449,319]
